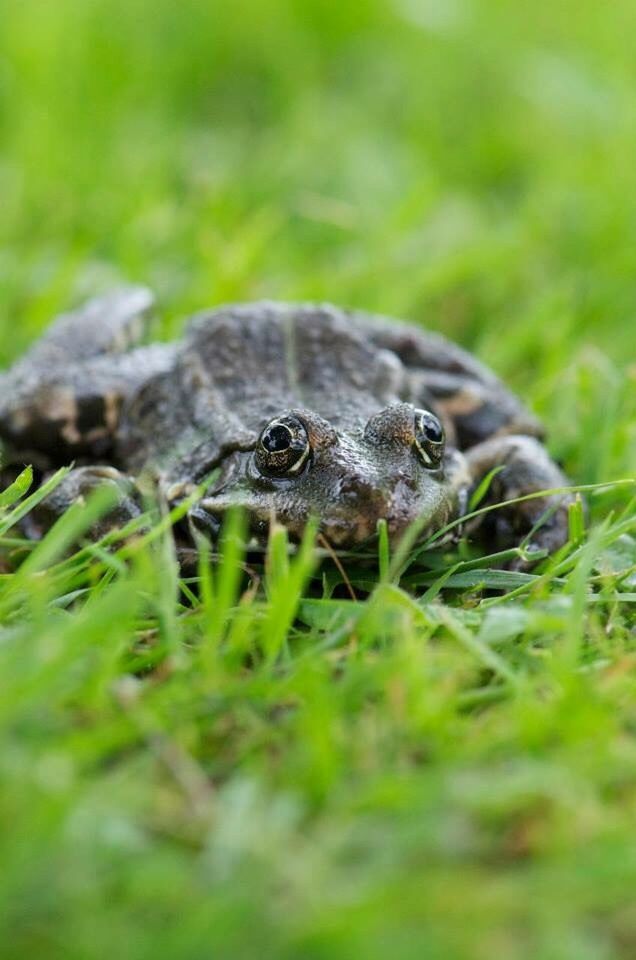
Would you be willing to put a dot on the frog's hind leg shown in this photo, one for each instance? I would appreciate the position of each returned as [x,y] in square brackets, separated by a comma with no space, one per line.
[524,468]
[64,397]
[469,397]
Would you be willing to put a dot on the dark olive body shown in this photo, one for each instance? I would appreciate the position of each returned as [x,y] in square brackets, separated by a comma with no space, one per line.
[294,410]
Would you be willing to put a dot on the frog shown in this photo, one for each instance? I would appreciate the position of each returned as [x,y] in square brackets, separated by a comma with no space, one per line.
[294,412]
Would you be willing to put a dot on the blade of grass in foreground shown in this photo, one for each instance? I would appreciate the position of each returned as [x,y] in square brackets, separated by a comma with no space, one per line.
[13,518]
[285,580]
[220,583]
[20,486]
[485,654]
[407,552]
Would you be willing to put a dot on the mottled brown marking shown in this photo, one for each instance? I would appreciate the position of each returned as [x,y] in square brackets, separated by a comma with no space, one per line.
[461,404]
[112,407]
[59,405]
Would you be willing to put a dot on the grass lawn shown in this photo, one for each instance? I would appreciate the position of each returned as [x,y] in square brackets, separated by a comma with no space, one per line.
[437,769]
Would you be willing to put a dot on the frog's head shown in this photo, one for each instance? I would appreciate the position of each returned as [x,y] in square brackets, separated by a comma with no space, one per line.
[395,467]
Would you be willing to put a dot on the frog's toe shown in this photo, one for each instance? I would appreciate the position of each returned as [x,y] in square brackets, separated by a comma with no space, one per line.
[549,535]
[537,529]
[76,488]
[202,523]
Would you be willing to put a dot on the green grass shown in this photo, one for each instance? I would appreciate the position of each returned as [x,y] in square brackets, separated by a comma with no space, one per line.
[446,767]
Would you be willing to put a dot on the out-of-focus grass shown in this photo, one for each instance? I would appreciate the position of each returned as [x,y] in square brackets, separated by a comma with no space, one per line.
[427,774]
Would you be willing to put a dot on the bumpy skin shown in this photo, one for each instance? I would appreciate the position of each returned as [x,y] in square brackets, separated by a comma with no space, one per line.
[170,415]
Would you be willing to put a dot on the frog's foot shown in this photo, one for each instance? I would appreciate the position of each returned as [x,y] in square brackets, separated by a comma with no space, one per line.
[76,488]
[539,524]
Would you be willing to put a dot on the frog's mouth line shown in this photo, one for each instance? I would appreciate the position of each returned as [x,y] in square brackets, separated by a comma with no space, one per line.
[207,519]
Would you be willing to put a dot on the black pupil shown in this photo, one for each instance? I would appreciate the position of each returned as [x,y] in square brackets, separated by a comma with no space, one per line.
[433,430]
[277,438]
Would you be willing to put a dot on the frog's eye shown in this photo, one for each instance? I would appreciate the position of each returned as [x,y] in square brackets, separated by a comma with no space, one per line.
[429,438]
[283,447]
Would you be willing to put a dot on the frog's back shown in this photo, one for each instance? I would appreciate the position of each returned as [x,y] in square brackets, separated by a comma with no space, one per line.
[87,390]
[239,366]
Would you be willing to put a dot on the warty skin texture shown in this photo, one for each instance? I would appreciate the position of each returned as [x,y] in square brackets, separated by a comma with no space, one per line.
[168,416]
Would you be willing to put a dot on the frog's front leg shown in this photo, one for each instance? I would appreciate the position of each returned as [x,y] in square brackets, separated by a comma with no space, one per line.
[525,468]
[77,487]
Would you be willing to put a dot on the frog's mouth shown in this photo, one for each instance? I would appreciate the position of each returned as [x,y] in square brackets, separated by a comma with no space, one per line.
[348,520]
[338,536]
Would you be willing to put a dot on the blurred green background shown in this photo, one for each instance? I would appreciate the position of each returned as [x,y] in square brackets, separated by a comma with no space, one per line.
[469,165]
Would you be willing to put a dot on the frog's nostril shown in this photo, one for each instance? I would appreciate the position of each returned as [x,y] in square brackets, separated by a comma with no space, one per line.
[356,488]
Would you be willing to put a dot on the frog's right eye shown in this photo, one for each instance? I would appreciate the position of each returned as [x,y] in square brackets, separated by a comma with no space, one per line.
[283,447]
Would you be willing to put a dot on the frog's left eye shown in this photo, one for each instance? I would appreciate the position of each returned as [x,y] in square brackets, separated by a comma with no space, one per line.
[429,438]
[283,447]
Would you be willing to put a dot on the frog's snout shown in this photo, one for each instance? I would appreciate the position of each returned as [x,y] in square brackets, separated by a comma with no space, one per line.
[356,489]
